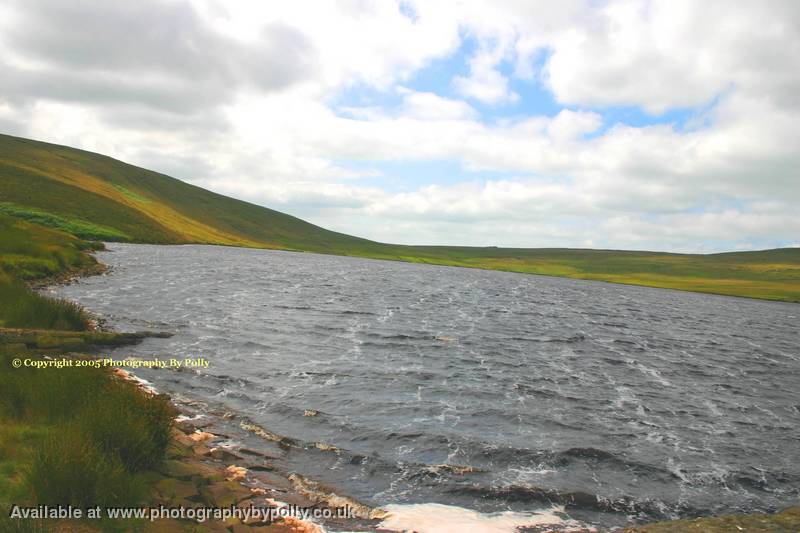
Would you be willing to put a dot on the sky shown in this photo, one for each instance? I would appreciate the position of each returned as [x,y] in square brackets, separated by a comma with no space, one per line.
[651,125]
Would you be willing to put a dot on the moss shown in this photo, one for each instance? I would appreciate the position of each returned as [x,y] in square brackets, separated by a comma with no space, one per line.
[787,521]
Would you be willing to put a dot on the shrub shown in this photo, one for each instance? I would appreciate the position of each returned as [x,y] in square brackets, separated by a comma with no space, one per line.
[53,395]
[70,469]
[23,308]
[123,421]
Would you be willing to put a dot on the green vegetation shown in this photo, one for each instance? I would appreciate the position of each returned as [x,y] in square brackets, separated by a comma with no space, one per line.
[98,197]
[23,308]
[71,436]
[28,251]
[74,226]
[76,436]
[787,521]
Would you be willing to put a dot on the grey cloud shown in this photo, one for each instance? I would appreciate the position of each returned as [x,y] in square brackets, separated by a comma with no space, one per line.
[141,118]
[146,34]
[168,94]
[152,52]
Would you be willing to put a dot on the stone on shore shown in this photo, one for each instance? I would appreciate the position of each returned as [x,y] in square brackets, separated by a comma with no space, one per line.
[224,493]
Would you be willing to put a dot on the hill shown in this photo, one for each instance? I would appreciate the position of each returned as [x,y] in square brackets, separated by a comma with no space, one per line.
[97,197]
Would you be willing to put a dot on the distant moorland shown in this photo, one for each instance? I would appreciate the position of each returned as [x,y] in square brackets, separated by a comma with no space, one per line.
[96,197]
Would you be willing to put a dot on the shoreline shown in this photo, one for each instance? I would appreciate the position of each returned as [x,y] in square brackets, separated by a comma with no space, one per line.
[199,456]
[207,451]
[205,467]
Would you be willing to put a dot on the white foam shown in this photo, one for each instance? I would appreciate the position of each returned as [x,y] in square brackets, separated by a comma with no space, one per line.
[439,518]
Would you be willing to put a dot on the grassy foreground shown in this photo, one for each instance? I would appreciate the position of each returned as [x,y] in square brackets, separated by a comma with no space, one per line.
[69,436]
[97,197]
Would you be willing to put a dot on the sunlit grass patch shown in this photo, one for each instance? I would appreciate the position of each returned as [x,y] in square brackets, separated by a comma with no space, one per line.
[75,226]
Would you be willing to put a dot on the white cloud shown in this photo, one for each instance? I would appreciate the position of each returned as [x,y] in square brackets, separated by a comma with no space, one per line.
[427,105]
[237,116]
[485,81]
[677,53]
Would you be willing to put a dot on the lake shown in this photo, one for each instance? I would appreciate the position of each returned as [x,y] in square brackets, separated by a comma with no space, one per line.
[485,390]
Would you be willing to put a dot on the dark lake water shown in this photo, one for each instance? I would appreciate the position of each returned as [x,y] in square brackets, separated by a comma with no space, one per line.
[619,403]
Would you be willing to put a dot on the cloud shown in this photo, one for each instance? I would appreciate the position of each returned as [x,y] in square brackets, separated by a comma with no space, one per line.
[246,98]
[485,82]
[677,53]
[155,53]
[427,105]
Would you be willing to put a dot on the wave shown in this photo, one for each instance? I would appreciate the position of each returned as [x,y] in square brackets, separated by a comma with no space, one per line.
[439,518]
[571,500]
[578,337]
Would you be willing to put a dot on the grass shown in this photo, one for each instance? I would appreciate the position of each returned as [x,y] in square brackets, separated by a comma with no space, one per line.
[123,422]
[29,251]
[787,521]
[68,468]
[82,192]
[70,436]
[23,308]
[77,436]
[74,226]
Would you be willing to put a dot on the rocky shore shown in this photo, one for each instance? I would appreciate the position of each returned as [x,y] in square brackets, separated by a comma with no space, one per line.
[201,472]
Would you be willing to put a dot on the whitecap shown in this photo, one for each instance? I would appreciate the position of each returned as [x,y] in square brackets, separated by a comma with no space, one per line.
[439,518]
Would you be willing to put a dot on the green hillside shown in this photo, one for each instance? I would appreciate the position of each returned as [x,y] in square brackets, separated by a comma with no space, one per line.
[96,197]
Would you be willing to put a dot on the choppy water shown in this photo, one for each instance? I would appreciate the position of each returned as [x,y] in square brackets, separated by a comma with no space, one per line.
[621,403]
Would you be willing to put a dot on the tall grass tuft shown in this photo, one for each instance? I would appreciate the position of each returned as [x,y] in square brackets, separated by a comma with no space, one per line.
[124,422]
[20,307]
[69,468]
[102,433]
[48,395]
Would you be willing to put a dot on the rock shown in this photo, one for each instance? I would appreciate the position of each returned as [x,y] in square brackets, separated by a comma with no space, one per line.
[176,489]
[186,427]
[224,493]
[273,480]
[177,469]
[182,439]
[202,436]
[205,473]
[248,451]
[235,473]
[248,502]
[293,498]
[201,449]
[222,454]
[300,526]
[263,467]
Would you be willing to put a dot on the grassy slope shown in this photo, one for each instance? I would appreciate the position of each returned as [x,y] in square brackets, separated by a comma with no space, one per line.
[81,190]
[67,435]
[29,251]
